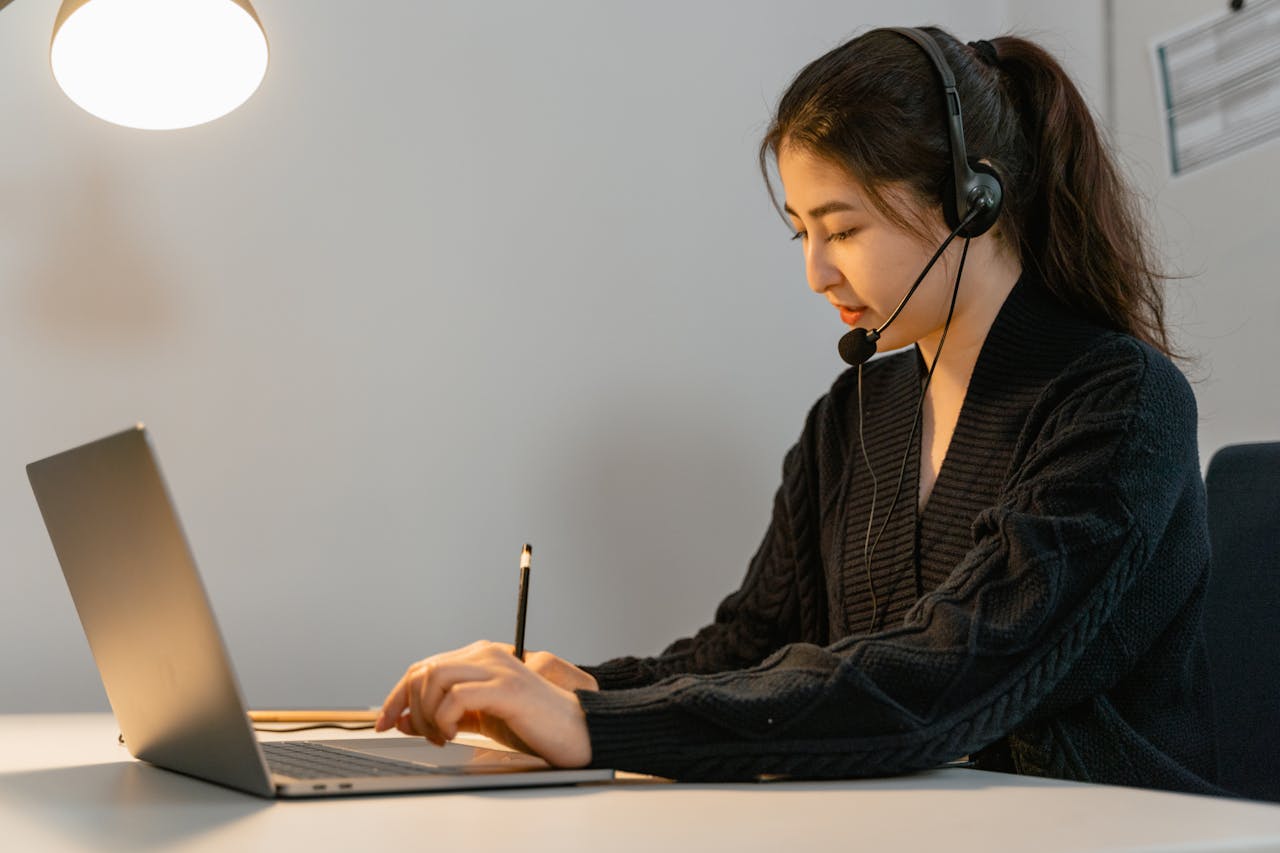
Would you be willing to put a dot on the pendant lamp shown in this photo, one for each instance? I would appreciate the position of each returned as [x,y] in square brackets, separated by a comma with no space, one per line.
[158,64]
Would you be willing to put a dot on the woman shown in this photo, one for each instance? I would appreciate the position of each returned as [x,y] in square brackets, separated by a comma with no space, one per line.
[993,549]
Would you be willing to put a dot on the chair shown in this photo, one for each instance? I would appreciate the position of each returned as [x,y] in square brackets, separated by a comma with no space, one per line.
[1242,615]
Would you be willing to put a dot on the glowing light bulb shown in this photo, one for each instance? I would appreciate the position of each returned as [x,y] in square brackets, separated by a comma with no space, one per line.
[158,64]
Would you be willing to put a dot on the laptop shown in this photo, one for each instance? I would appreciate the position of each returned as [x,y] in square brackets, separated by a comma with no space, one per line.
[166,669]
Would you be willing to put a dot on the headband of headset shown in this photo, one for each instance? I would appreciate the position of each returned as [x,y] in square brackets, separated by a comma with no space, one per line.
[973,185]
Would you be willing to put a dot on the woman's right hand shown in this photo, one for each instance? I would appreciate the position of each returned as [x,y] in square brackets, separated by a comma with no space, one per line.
[559,671]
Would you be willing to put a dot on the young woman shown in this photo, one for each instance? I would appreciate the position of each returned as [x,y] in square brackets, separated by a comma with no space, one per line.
[992,544]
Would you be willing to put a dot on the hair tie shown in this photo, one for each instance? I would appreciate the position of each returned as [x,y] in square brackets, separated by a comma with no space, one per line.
[986,52]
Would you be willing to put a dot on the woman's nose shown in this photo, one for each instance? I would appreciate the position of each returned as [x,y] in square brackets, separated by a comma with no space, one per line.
[818,268]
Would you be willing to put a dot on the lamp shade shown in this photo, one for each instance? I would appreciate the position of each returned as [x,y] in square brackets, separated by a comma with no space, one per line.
[158,64]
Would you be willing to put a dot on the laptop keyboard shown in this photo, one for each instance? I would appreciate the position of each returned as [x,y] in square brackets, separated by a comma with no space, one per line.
[303,760]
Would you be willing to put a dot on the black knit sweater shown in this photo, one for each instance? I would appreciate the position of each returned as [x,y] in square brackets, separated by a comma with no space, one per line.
[1042,613]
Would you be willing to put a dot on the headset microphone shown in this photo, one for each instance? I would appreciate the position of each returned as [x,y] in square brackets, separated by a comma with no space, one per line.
[860,344]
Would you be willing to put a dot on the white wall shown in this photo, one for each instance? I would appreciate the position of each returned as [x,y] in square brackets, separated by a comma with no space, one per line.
[1215,227]
[1074,33]
[459,276]
[1218,229]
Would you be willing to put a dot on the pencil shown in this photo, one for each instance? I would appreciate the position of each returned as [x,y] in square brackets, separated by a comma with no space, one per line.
[315,715]
[526,558]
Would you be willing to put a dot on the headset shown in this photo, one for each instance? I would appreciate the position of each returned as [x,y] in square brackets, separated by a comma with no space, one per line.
[974,185]
[971,201]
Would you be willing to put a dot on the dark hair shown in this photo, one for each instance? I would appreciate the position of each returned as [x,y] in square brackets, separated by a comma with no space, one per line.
[874,106]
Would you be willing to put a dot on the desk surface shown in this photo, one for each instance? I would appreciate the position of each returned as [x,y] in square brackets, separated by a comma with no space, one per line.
[66,785]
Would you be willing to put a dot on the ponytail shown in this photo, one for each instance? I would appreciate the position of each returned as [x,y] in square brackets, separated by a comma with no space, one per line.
[1082,230]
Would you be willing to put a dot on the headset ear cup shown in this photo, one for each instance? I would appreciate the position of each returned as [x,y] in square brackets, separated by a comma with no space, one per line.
[983,182]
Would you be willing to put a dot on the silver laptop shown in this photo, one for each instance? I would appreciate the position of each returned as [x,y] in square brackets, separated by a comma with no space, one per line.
[165,667]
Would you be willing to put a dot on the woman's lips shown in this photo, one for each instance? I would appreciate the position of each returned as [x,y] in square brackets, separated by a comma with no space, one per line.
[851,316]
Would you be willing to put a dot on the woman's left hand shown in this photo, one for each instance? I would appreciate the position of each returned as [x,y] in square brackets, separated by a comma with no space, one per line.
[485,688]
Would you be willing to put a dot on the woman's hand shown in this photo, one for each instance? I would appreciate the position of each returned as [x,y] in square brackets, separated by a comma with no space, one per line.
[559,671]
[485,688]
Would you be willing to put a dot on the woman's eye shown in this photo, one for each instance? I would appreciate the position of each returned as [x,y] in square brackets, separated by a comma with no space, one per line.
[832,238]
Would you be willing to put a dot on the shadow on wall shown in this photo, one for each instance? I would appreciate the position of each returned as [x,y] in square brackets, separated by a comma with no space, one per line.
[95,284]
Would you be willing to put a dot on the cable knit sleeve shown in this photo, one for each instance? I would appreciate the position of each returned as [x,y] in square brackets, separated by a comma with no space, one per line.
[1106,461]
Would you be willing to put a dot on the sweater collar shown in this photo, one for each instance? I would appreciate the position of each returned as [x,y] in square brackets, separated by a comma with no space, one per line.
[1032,338]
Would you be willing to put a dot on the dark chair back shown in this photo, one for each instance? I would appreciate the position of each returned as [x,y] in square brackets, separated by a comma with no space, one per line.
[1242,615]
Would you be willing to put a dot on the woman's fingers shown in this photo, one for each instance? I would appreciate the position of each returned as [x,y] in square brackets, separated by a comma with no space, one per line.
[485,686]
[417,720]
[397,700]
[431,685]
[473,700]
[410,706]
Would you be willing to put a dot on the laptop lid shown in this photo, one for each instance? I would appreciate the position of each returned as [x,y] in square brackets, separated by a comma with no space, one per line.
[145,611]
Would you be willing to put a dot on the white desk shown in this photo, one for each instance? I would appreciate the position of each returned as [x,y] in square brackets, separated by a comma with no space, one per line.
[66,785]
